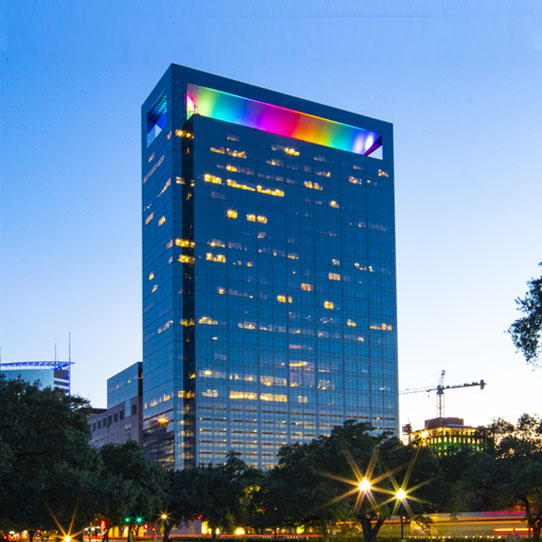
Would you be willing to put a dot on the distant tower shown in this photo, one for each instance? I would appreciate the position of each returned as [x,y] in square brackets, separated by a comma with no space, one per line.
[48,374]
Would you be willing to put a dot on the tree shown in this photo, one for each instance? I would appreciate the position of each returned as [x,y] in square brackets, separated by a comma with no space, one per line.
[303,488]
[179,503]
[518,455]
[217,493]
[131,487]
[526,331]
[46,460]
[352,473]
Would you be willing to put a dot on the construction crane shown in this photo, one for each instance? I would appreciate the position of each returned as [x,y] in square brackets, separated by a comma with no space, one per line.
[440,388]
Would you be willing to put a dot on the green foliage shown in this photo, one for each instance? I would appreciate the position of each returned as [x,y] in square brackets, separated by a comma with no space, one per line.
[217,492]
[317,482]
[130,488]
[526,331]
[46,460]
[518,457]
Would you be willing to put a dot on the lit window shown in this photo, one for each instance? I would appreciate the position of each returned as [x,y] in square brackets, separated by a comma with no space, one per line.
[183,258]
[307,287]
[168,183]
[208,178]
[154,288]
[270,191]
[334,261]
[184,243]
[262,219]
[215,257]
[281,298]
[273,397]
[162,220]
[243,395]
[184,133]
[149,218]
[382,326]
[328,305]
[235,184]
[207,320]
[334,204]
[251,218]
[151,275]
[351,323]
[221,291]
[334,276]
[314,186]
[247,325]
[231,213]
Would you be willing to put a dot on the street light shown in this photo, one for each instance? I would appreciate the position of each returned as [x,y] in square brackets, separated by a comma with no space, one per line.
[364,485]
[401,496]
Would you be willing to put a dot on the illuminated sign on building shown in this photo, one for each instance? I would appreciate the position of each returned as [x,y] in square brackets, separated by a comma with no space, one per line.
[280,121]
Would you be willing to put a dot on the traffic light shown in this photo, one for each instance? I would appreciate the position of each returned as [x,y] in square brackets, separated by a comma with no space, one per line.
[127,519]
[103,525]
[139,520]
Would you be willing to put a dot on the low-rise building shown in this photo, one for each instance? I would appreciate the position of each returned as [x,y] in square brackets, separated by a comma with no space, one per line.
[122,420]
[447,436]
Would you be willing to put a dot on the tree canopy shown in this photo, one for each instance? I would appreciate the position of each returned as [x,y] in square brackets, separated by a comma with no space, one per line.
[526,331]
[46,459]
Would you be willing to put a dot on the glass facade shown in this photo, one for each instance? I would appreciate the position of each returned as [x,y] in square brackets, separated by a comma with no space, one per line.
[45,374]
[125,385]
[268,272]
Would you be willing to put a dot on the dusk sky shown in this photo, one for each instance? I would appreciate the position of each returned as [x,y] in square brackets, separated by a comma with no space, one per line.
[460,81]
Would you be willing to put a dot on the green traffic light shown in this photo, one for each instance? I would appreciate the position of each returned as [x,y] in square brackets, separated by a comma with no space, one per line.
[139,520]
[126,520]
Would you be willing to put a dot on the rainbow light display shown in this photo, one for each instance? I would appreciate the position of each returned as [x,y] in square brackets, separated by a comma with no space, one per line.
[281,121]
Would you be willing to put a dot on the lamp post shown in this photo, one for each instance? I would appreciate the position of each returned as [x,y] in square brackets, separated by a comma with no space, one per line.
[165,526]
[401,496]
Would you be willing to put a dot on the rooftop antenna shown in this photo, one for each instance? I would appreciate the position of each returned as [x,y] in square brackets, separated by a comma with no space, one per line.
[69,346]
[55,352]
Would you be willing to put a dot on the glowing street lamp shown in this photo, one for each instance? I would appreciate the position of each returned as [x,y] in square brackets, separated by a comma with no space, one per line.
[364,486]
[401,494]
[67,538]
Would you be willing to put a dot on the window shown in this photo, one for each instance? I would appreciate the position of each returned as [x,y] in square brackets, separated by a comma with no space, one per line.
[157,118]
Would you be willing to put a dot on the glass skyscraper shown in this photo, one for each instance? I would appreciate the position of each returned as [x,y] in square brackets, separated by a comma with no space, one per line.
[269,290]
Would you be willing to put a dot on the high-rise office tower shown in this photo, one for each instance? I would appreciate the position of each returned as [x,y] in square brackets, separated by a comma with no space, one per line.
[269,297]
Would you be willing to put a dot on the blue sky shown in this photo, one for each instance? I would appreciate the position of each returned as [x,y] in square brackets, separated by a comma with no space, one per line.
[459,80]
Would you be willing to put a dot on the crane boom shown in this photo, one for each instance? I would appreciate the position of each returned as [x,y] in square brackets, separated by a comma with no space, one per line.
[440,388]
